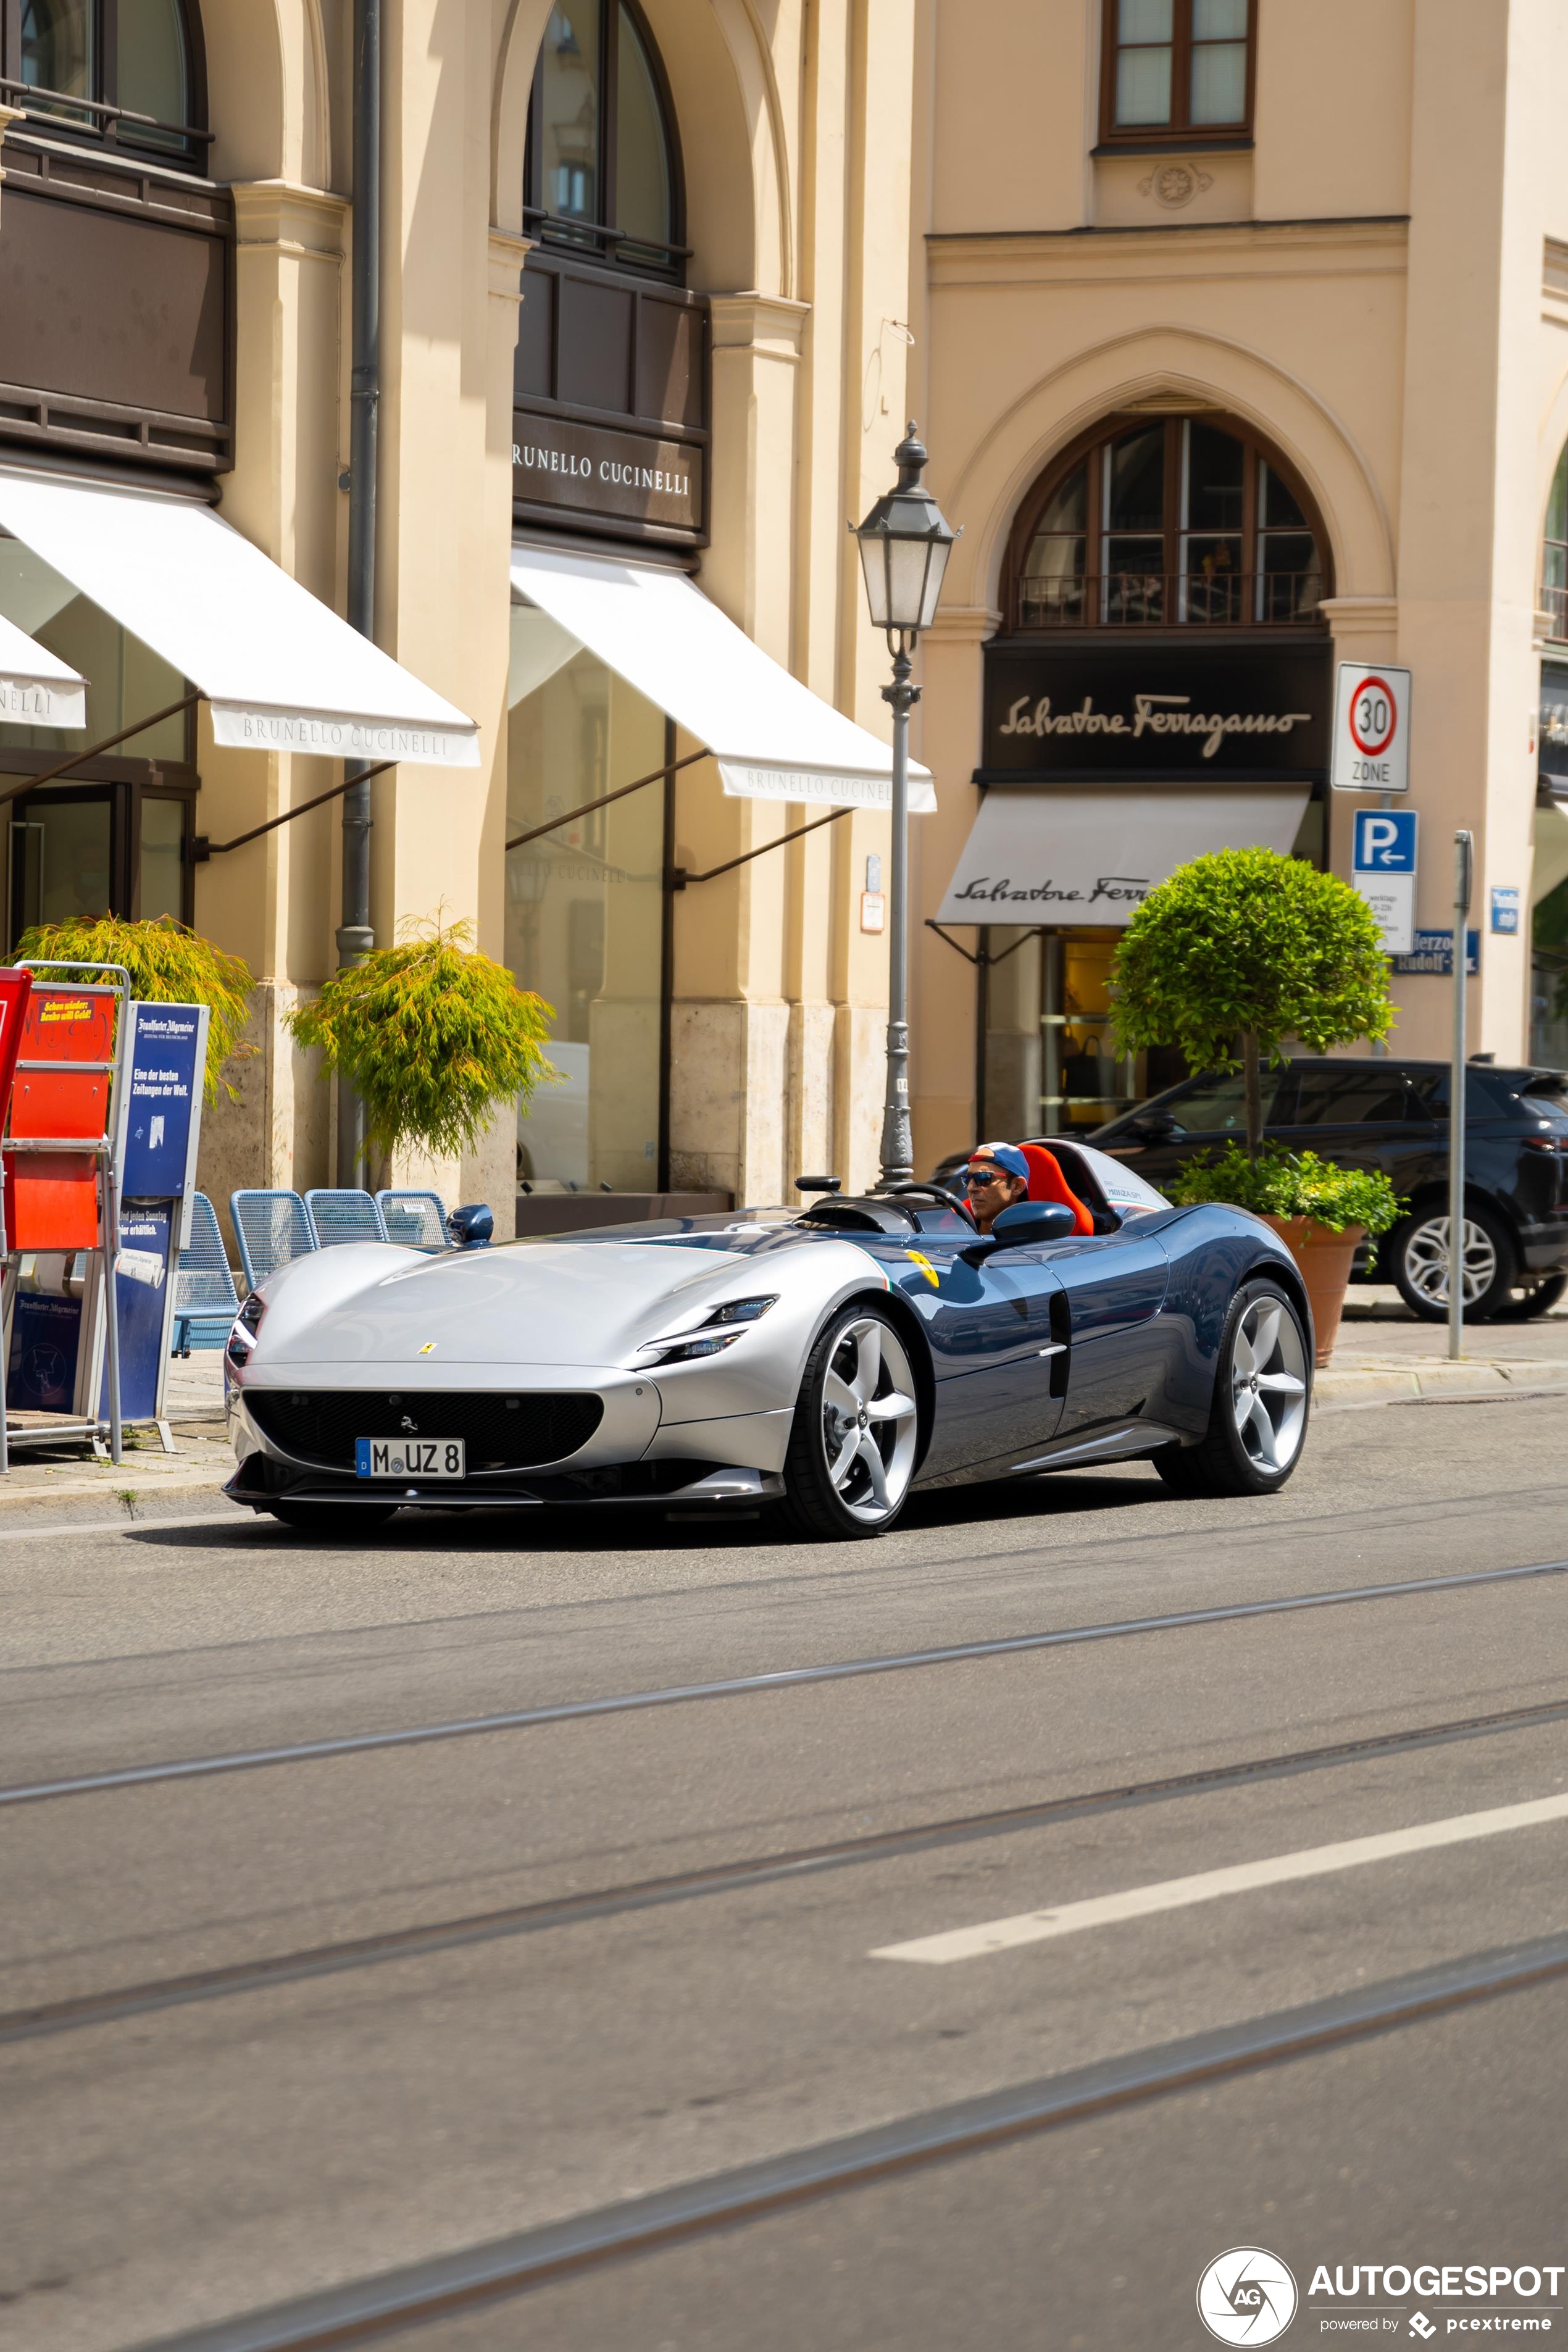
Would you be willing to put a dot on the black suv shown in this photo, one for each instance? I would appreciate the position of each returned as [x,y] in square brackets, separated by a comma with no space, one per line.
[1394,1115]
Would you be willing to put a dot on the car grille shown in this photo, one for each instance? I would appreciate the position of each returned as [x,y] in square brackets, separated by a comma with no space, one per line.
[500,1431]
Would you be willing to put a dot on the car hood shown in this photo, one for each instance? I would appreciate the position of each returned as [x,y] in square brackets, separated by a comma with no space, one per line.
[542,1303]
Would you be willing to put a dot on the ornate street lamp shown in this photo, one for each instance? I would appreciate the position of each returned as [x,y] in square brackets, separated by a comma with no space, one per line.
[905,542]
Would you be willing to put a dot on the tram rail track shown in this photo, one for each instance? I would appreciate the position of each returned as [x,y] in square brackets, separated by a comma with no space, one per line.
[192,1768]
[241,1977]
[448,2286]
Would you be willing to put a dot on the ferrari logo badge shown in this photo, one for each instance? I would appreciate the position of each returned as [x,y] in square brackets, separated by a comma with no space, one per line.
[926,1267]
[428,1348]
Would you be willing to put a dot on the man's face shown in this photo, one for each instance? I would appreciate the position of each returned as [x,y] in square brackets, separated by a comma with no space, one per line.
[989,1190]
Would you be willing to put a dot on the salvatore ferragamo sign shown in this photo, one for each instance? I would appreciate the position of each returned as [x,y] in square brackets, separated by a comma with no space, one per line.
[1137,710]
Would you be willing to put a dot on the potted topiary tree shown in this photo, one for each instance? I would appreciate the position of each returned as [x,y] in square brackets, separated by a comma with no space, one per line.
[1231,955]
[431,1035]
[168,964]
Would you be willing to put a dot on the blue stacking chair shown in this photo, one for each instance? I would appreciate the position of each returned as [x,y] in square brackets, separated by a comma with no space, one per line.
[339,1216]
[206,1300]
[416,1220]
[272,1229]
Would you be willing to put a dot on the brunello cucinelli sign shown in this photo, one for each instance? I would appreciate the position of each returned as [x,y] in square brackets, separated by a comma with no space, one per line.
[592,470]
[1133,710]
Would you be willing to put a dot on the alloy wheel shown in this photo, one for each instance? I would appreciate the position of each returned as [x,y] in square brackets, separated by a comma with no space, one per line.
[869,1420]
[1269,1384]
[1426,1261]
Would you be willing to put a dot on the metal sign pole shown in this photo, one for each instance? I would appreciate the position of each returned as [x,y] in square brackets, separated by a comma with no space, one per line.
[1464,849]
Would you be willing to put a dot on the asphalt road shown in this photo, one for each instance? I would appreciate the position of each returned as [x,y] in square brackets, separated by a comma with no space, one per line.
[413,2026]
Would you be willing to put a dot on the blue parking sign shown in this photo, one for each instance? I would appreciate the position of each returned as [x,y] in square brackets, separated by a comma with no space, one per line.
[1385,841]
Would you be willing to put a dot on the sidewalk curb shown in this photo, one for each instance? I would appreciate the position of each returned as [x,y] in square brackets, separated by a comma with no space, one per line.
[1498,1380]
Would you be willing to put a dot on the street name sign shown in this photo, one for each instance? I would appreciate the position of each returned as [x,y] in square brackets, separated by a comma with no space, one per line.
[1383,868]
[1372,729]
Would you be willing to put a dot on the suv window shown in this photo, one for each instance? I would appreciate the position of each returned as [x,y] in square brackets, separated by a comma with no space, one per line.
[1486,1095]
[1218,1106]
[1350,1097]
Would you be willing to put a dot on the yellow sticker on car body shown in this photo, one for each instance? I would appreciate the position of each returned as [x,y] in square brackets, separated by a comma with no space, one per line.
[926,1267]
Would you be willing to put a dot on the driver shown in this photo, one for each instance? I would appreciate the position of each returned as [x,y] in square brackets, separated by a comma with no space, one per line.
[997,1176]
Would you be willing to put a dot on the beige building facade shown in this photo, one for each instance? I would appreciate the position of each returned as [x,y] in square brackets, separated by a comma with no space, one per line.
[644,311]
[1245,352]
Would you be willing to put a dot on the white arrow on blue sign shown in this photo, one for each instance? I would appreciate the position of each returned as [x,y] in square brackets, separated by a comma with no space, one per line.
[1383,867]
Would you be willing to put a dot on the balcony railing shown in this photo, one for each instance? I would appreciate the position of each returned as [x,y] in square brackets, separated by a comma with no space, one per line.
[1152,600]
[1555,603]
[116,127]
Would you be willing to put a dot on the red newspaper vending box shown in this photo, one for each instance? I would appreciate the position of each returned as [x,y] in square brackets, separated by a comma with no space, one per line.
[63,1088]
[16,987]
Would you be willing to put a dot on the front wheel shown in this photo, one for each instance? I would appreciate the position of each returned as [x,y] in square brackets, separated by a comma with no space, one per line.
[857,1428]
[1417,1255]
[1257,1422]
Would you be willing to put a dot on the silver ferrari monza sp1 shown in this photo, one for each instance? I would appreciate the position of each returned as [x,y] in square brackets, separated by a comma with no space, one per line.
[828,1360]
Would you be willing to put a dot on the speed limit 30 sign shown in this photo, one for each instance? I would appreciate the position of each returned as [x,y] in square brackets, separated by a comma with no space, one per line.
[1372,729]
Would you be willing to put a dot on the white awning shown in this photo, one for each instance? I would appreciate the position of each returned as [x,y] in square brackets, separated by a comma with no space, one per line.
[1093,857]
[773,738]
[37,688]
[282,671]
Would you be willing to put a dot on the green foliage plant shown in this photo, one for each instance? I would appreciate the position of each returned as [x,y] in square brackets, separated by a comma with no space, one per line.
[169,964]
[1291,1184]
[1247,946]
[432,1035]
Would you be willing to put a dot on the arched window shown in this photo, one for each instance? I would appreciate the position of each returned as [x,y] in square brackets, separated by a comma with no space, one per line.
[1157,521]
[122,73]
[603,176]
[1554,559]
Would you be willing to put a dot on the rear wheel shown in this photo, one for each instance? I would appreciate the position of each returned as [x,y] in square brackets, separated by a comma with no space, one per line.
[1417,1255]
[332,1518]
[857,1427]
[1261,1396]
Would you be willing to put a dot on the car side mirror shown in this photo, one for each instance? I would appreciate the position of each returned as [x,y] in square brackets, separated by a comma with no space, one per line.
[471,1228]
[1023,1226]
[1157,1127]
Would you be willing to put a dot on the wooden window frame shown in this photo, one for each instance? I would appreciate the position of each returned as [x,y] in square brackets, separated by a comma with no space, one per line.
[1180,133]
[102,133]
[600,241]
[1092,445]
[1554,595]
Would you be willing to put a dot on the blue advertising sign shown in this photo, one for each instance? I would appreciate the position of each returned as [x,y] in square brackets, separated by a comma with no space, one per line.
[1385,841]
[140,1297]
[1434,952]
[46,1338]
[160,1113]
[1505,907]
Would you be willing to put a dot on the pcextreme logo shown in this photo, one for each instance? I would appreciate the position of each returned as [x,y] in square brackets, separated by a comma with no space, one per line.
[1247,2296]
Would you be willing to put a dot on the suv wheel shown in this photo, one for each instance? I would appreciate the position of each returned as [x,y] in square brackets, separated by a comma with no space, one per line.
[1417,1255]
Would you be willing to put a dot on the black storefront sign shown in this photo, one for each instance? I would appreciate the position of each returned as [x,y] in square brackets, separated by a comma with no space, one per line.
[595,471]
[1174,709]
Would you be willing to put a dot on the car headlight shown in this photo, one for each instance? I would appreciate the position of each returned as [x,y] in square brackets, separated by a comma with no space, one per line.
[719,1329]
[246,1325]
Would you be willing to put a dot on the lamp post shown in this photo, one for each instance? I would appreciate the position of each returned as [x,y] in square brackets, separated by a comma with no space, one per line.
[905,542]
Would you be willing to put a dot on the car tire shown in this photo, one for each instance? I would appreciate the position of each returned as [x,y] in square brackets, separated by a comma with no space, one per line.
[856,1434]
[1262,1397]
[332,1518]
[1416,1258]
[1538,1300]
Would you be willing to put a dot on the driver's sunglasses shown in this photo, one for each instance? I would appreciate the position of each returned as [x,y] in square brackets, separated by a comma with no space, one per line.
[976,1180]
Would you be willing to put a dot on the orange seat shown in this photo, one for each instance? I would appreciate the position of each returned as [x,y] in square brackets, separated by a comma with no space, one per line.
[1046,1182]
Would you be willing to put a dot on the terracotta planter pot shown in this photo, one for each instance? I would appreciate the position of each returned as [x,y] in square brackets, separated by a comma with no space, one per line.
[1324,1259]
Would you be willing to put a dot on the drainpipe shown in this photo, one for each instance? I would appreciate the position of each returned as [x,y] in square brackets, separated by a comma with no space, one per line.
[355,937]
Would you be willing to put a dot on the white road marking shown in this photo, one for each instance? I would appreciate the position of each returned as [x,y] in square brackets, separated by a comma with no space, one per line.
[1207,1885]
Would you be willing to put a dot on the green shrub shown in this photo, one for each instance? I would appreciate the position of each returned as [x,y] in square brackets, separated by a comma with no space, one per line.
[169,964]
[1245,945]
[431,1035]
[1291,1184]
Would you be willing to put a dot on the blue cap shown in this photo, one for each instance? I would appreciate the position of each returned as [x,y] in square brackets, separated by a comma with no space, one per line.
[1006,1155]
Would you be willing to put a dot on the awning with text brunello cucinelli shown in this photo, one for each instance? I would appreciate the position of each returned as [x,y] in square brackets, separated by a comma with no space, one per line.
[37,688]
[281,670]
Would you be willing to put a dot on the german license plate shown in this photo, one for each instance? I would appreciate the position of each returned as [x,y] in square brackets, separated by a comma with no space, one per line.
[409,1457]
